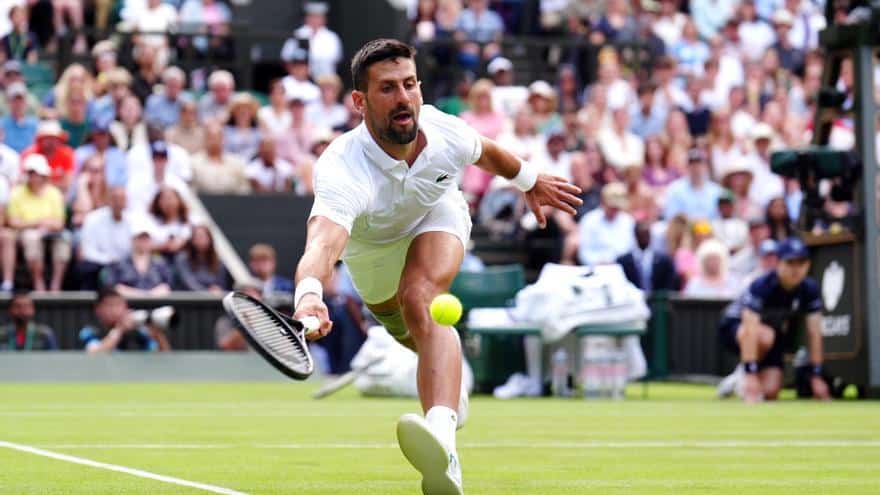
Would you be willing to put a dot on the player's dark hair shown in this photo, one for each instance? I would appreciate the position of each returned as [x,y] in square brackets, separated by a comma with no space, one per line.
[377,51]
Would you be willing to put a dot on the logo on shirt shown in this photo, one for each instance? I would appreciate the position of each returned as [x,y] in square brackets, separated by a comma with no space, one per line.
[441,178]
[833,280]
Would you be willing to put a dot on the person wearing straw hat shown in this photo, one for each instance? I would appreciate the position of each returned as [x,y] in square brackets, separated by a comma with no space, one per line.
[51,143]
[35,215]
[241,134]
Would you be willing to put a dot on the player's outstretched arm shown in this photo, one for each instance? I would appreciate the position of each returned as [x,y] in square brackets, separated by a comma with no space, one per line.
[814,342]
[539,189]
[325,240]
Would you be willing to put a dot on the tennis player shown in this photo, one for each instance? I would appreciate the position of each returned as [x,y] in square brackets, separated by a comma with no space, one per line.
[386,194]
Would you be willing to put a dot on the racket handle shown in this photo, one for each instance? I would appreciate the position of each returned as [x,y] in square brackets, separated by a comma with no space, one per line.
[310,324]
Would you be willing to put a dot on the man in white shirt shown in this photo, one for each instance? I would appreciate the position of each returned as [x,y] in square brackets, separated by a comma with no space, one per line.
[268,173]
[620,147]
[606,233]
[296,83]
[386,193]
[105,238]
[507,97]
[325,47]
[142,187]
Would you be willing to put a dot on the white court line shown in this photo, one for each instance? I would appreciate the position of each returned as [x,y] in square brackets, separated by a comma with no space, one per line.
[651,444]
[119,469]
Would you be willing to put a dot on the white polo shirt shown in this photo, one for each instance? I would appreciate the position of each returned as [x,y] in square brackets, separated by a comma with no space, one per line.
[379,199]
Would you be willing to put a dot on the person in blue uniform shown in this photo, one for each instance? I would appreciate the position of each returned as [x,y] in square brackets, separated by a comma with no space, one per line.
[760,324]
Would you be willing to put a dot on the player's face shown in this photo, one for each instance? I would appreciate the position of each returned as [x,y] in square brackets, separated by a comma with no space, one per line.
[793,272]
[392,101]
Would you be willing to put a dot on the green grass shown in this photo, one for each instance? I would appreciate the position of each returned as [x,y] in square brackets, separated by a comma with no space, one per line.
[272,439]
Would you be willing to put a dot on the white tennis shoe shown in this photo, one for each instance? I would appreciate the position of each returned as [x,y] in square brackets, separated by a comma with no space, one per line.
[732,383]
[441,471]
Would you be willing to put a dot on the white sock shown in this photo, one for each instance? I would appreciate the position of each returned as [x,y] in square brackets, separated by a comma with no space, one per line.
[534,348]
[443,422]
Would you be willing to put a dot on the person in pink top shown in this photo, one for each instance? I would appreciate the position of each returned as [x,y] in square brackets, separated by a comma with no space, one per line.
[487,121]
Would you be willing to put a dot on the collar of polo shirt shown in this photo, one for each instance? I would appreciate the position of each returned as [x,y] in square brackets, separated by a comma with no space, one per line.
[385,161]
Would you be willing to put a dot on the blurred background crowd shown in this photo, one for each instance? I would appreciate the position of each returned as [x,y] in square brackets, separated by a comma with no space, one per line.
[664,112]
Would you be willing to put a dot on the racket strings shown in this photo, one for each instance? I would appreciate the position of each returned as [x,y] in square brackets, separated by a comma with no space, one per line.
[272,334]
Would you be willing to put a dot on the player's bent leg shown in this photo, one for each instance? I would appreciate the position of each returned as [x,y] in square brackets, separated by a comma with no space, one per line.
[771,382]
[759,340]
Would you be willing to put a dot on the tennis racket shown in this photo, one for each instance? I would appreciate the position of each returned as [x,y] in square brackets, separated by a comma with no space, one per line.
[279,339]
[343,380]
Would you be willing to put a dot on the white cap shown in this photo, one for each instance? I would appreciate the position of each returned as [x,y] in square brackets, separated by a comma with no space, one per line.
[783,16]
[37,163]
[498,64]
[762,131]
[542,88]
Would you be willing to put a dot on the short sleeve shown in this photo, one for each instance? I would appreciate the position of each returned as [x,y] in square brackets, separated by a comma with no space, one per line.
[811,299]
[753,298]
[337,195]
[467,141]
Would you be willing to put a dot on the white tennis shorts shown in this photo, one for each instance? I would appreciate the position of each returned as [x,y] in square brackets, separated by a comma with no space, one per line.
[376,268]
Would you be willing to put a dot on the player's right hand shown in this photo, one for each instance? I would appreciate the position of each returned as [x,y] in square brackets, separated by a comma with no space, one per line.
[312,305]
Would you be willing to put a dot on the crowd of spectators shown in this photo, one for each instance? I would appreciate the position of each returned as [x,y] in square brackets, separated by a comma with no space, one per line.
[96,173]
[681,150]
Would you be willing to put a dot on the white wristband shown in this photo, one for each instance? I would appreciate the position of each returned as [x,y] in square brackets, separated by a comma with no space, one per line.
[308,285]
[526,178]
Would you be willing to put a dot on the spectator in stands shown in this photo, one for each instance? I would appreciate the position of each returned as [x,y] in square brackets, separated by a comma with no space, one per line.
[74,121]
[20,44]
[606,233]
[295,143]
[669,23]
[188,133]
[325,47]
[74,11]
[639,196]
[713,278]
[647,268]
[710,16]
[262,262]
[178,158]
[75,79]
[456,103]
[22,333]
[296,82]
[354,117]
[198,267]
[211,18]
[696,110]
[172,230]
[620,147]
[142,187]
[141,274]
[543,102]
[117,82]
[791,58]
[105,238]
[657,172]
[552,158]
[274,118]
[768,260]
[777,219]
[90,190]
[647,120]
[129,130]
[732,230]
[738,178]
[149,70]
[11,75]
[36,216]
[693,195]
[346,308]
[582,175]
[100,145]
[214,105]
[724,148]
[19,128]
[267,173]
[507,97]
[481,29]
[50,143]
[241,134]
[153,17]
[327,112]
[163,107]
[522,139]
[755,34]
[118,329]
[745,261]
[617,24]
[214,170]
[104,61]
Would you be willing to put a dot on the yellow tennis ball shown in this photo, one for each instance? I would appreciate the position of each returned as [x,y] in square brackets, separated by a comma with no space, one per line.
[446,309]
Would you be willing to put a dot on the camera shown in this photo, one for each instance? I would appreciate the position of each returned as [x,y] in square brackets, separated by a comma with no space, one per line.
[163,317]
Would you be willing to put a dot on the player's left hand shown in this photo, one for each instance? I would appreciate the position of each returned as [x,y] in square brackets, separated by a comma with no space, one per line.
[820,388]
[554,191]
